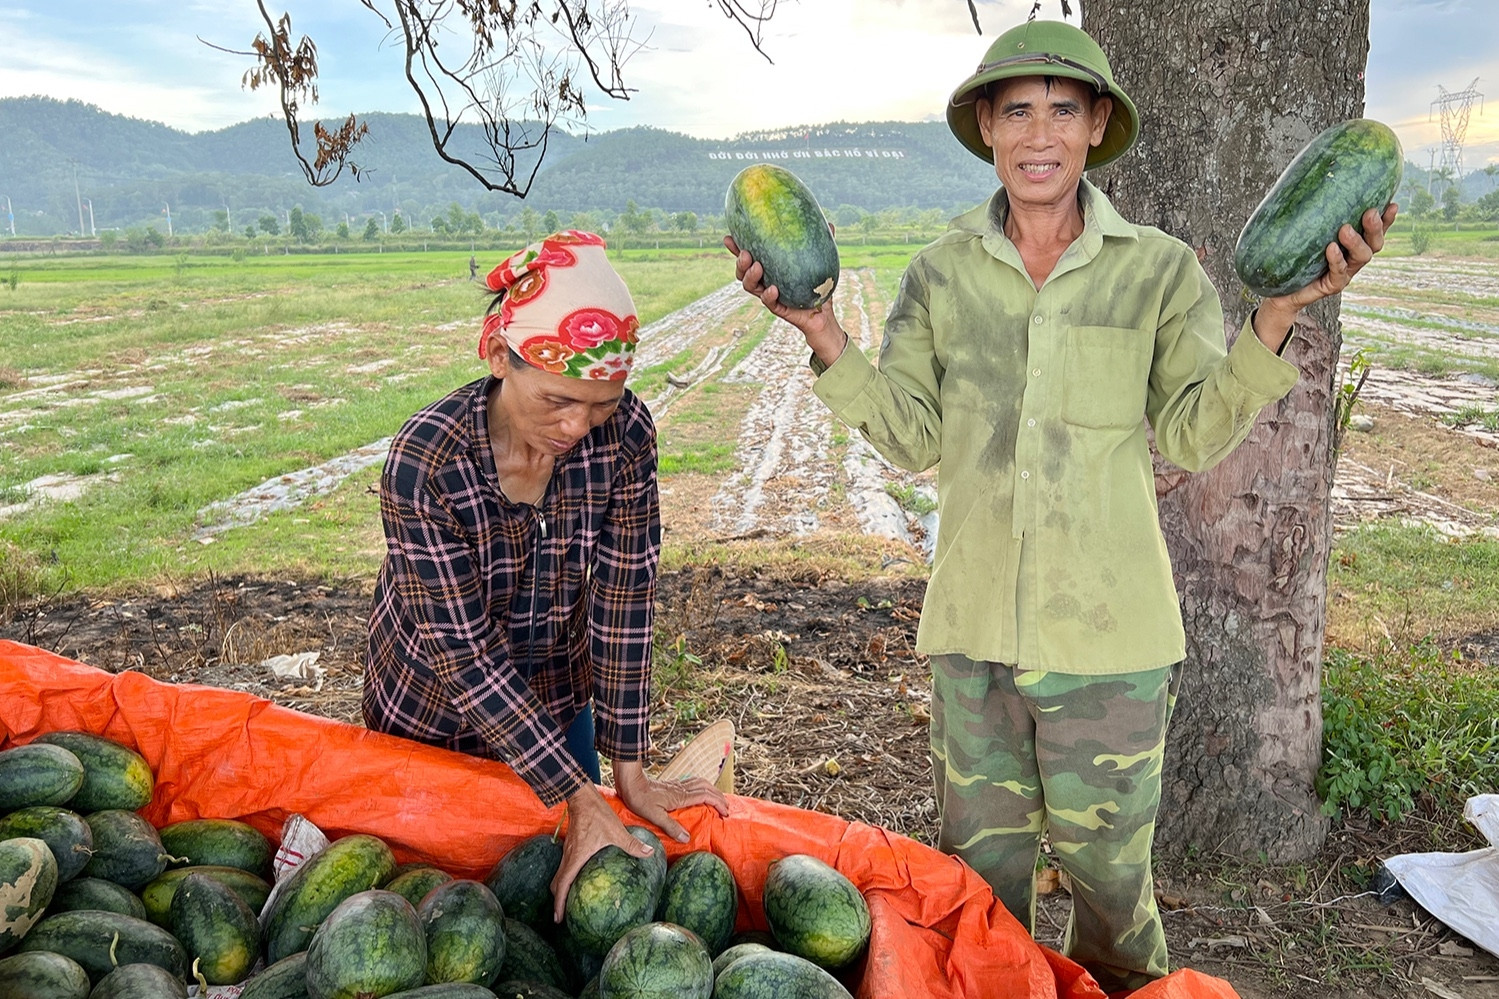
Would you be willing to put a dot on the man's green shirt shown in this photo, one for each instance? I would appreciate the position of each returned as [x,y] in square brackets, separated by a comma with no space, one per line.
[1049,552]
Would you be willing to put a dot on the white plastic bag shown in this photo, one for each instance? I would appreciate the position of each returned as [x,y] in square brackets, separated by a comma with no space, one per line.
[1460,889]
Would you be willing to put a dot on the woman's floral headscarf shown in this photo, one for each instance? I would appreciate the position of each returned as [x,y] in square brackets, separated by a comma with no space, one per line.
[565,310]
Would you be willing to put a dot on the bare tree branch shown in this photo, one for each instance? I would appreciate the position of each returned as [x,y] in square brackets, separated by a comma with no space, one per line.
[973,12]
[515,76]
[294,72]
[1036,9]
[752,21]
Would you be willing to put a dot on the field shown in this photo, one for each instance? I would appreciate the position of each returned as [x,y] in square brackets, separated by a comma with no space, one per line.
[189,449]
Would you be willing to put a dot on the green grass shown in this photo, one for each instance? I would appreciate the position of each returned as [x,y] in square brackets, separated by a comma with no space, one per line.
[700,458]
[254,369]
[1408,581]
[1469,241]
[1406,726]
[1406,721]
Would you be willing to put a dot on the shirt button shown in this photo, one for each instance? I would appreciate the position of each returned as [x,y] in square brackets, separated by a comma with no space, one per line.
[1036,373]
[1030,423]
[1025,475]
[1037,320]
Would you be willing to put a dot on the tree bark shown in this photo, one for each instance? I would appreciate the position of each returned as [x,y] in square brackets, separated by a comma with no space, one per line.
[1228,91]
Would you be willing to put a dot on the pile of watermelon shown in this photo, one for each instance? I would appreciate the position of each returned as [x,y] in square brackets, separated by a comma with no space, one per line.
[96,903]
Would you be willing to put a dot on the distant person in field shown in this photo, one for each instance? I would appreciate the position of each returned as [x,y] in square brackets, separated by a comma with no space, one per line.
[522,532]
[473,268]
[1026,351]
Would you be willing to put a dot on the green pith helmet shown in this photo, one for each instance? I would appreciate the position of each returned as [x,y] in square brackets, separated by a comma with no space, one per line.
[1045,48]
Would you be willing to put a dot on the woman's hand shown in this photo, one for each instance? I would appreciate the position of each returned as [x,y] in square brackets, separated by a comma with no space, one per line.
[654,800]
[819,325]
[591,826]
[1345,258]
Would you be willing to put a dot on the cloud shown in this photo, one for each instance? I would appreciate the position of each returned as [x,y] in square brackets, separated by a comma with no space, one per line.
[1417,48]
[855,60]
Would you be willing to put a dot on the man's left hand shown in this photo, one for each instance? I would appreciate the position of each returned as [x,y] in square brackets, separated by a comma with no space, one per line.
[655,800]
[1345,258]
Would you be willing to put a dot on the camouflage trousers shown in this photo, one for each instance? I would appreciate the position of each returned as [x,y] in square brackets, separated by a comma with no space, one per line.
[1017,752]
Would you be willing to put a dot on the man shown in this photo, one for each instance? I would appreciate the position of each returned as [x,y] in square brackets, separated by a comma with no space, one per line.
[1026,350]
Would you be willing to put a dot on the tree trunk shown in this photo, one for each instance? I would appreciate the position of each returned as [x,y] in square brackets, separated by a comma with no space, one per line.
[1228,92]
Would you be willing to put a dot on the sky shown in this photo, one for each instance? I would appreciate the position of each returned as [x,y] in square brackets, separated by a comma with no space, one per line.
[695,72]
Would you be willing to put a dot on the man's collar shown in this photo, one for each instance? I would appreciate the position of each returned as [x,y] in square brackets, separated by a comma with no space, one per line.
[1097,212]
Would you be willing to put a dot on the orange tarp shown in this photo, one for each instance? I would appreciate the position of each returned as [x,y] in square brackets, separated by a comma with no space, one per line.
[938,931]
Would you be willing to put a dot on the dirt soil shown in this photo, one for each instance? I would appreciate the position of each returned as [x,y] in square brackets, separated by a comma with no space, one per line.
[830,703]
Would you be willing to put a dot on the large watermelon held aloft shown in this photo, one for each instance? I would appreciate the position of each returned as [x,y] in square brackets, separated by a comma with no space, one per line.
[1343,172]
[771,214]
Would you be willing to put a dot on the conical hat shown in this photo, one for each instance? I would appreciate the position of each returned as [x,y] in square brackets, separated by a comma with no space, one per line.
[709,754]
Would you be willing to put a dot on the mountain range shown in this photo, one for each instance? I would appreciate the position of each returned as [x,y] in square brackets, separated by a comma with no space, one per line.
[60,160]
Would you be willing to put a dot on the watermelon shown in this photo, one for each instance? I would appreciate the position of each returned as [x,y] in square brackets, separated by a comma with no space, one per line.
[96,893]
[157,896]
[774,975]
[578,962]
[42,975]
[345,867]
[218,843]
[614,892]
[65,833]
[657,961]
[286,979]
[28,877]
[529,958]
[370,945]
[465,929]
[522,880]
[657,860]
[127,849]
[139,981]
[764,938]
[734,953]
[815,912]
[219,932]
[414,884]
[772,215]
[114,776]
[701,894]
[38,774]
[1343,172]
[528,990]
[447,990]
[100,940]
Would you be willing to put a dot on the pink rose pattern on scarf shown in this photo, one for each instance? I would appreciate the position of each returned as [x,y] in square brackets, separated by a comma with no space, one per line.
[565,309]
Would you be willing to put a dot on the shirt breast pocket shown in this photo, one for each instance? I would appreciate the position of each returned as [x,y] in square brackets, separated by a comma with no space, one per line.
[1106,376]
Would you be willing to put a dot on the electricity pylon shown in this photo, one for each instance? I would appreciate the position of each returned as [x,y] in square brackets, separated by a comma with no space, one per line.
[1455,108]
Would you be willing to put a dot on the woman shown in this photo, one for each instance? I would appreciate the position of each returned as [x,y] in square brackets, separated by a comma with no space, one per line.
[522,535]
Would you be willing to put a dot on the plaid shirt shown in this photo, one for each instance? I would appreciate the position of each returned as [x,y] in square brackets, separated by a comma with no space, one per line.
[495,622]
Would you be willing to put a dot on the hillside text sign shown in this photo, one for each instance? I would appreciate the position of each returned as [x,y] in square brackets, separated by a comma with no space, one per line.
[809,154]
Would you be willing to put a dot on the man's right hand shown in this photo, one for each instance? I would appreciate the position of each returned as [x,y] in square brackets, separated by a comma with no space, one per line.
[819,325]
[591,826]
